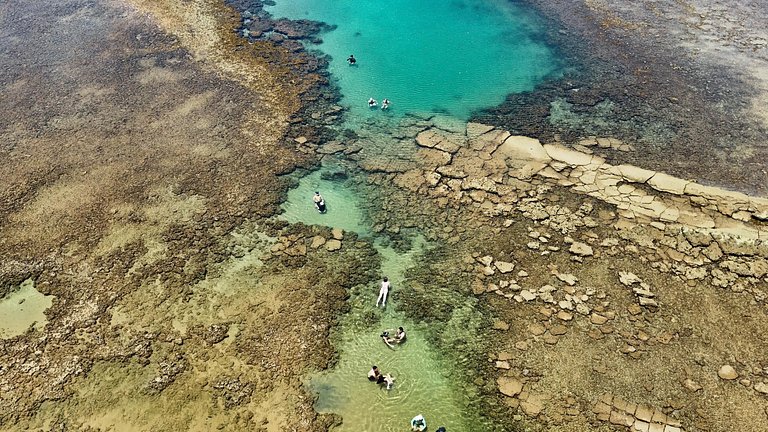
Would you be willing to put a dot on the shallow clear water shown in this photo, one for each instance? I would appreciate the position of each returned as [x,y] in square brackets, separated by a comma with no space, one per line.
[342,204]
[428,57]
[22,308]
[421,385]
[433,56]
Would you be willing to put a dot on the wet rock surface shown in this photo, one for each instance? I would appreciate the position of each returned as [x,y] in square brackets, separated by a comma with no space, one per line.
[137,191]
[658,77]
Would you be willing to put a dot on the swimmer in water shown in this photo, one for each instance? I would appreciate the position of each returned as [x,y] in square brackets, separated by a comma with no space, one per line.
[351,60]
[385,104]
[372,103]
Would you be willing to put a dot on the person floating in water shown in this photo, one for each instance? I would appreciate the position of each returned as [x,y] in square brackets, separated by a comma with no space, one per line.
[351,59]
[372,103]
[440,429]
[397,339]
[389,381]
[418,423]
[319,202]
[385,104]
[383,292]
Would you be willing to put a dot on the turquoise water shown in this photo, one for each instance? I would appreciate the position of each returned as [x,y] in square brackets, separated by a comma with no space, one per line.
[422,383]
[343,208]
[434,56]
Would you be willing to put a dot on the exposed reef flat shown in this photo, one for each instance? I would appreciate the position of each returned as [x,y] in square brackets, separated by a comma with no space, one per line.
[137,147]
[615,294]
[576,282]
[683,82]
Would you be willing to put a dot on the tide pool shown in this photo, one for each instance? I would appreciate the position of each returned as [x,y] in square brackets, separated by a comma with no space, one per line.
[448,57]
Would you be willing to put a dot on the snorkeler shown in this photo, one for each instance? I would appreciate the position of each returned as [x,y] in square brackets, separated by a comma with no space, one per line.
[351,59]
[319,202]
[372,103]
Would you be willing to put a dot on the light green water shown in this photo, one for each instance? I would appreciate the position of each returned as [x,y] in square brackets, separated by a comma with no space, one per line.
[342,204]
[422,385]
[428,56]
[23,308]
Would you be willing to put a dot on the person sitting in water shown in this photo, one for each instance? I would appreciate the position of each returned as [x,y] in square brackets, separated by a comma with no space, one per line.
[374,374]
[351,59]
[385,104]
[418,423]
[319,202]
[440,429]
[372,103]
[397,339]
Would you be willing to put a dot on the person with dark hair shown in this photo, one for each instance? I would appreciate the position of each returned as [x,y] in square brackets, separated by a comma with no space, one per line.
[351,59]
[319,202]
[440,429]
[397,339]
[374,374]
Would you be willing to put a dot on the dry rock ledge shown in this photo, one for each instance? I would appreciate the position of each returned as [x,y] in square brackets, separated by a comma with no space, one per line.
[694,231]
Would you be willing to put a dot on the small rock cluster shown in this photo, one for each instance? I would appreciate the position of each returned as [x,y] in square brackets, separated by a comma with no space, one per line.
[297,244]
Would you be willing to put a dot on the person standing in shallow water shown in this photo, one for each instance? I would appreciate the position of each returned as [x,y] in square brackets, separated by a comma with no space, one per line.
[383,292]
[319,202]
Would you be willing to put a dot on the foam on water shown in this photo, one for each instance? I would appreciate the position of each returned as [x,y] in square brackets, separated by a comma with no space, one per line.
[427,56]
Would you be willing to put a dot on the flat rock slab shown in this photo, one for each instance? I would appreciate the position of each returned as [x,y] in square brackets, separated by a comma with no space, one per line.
[332,245]
[509,386]
[581,249]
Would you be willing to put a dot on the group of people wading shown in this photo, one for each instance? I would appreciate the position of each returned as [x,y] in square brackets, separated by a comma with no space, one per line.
[372,103]
[391,337]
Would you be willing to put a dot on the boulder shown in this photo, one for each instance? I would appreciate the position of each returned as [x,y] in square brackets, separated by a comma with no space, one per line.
[332,245]
[504,266]
[317,241]
[509,386]
[727,372]
[337,233]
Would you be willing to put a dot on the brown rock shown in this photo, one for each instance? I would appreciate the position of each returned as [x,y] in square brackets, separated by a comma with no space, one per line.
[332,245]
[581,249]
[691,385]
[558,330]
[537,329]
[500,325]
[621,419]
[644,413]
[598,319]
[509,386]
[727,372]
[317,241]
[761,388]
[337,233]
